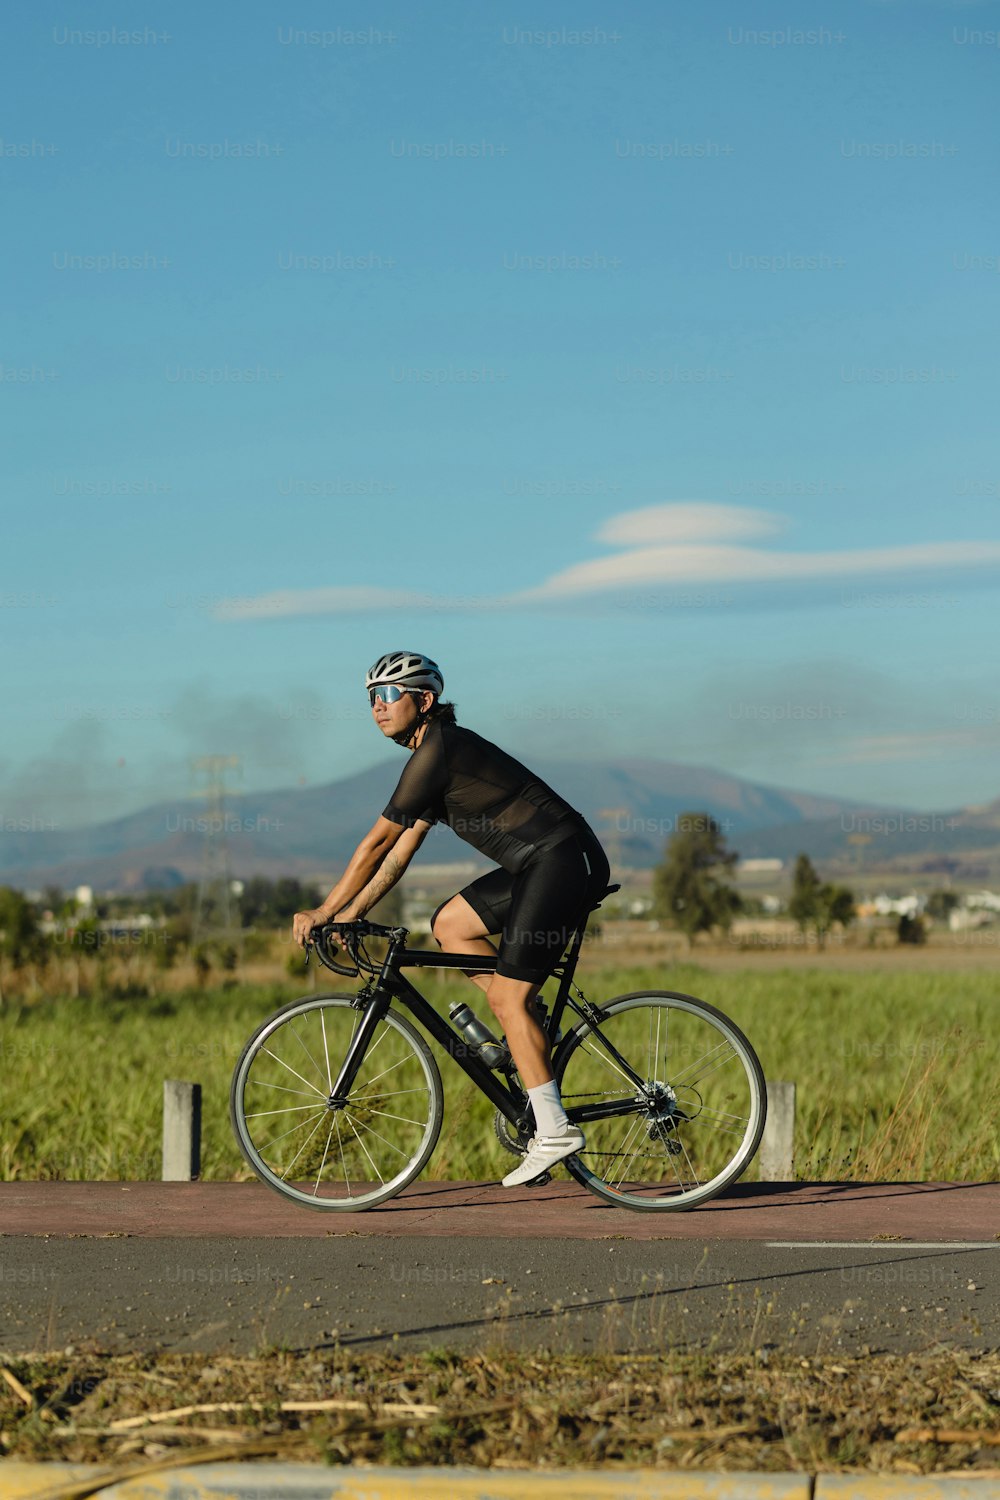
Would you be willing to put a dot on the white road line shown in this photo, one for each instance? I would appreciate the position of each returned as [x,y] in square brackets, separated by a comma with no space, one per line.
[883,1244]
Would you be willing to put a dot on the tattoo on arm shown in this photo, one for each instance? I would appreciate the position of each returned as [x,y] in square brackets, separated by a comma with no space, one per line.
[383,881]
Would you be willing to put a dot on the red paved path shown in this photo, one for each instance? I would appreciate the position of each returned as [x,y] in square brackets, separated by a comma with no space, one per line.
[938,1211]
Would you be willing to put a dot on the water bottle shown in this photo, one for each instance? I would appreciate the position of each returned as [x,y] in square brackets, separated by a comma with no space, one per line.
[493,1053]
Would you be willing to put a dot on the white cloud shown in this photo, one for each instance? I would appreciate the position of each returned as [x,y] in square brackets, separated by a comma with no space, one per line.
[688,521]
[685,565]
[343,599]
[685,543]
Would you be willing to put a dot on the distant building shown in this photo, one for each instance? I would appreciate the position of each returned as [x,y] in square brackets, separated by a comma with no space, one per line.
[977,909]
[982,901]
[897,906]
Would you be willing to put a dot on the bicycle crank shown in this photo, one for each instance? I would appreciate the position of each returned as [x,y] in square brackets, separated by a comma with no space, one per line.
[507,1135]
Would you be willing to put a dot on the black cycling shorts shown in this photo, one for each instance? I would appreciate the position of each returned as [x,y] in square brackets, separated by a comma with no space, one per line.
[536,910]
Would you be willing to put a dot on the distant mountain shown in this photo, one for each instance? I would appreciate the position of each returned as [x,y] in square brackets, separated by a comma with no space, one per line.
[634,805]
[964,842]
[292,831]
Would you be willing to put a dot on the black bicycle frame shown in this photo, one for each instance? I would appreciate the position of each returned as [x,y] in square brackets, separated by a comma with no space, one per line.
[510,1100]
[392,985]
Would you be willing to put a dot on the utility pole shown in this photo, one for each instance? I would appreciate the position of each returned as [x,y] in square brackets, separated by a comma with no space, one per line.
[215,918]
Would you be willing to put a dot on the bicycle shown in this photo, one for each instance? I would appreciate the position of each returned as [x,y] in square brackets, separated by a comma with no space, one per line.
[668,1091]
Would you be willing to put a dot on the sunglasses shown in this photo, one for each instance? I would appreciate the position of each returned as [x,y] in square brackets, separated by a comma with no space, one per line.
[387,694]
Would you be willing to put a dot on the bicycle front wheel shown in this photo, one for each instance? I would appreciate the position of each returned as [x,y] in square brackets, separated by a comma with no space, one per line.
[670,1096]
[344,1155]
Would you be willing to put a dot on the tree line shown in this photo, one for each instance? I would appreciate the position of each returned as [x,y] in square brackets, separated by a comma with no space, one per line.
[34,932]
[693,889]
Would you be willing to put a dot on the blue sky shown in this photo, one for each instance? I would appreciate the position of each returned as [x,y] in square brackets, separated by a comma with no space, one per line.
[639,365]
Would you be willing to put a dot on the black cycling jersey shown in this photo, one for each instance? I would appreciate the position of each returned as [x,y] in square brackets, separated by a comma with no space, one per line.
[487,797]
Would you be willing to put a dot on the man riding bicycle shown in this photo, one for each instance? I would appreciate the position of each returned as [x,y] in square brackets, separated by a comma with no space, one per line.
[552,870]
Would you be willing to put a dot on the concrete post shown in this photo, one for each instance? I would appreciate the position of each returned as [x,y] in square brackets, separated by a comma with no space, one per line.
[777,1158]
[181,1131]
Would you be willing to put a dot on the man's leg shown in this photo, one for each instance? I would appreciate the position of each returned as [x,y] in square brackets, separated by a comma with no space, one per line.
[458,929]
[555,1136]
[511,1002]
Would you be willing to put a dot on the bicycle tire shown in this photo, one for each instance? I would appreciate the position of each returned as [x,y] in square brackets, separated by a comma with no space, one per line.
[664,1124]
[406,1051]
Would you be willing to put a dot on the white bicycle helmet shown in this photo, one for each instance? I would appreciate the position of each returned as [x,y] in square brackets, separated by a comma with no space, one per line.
[407,668]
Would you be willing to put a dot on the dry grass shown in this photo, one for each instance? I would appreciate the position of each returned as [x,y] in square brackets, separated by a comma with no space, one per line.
[758,944]
[933,1413]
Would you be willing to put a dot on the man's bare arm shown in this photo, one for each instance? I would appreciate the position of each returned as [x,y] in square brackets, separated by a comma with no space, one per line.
[374,868]
[383,880]
[361,867]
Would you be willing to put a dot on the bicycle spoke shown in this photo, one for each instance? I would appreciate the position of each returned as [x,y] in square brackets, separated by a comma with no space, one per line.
[737,1128]
[723,1114]
[326,1053]
[375,1045]
[390,1093]
[343,1163]
[372,1131]
[282,1062]
[694,1174]
[263,1083]
[289,1109]
[389,1116]
[653,1048]
[369,1081]
[305,1049]
[303,1146]
[326,1151]
[365,1149]
[725,1048]
[636,1125]
[618,1170]
[608,1062]
[302,1123]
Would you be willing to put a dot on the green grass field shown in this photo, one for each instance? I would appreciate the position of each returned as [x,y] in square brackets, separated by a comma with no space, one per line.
[896,1072]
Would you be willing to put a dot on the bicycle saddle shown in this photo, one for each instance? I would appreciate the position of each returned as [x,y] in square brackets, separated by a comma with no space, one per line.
[603,896]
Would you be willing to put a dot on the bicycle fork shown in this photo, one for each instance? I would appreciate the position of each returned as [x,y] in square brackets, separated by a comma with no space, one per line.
[374,1009]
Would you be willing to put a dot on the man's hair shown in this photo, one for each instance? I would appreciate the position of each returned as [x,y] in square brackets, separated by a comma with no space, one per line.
[443,711]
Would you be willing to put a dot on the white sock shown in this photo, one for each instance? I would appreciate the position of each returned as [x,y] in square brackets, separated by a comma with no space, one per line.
[550,1117]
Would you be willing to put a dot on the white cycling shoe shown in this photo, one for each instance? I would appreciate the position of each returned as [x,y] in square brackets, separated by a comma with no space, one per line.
[544,1152]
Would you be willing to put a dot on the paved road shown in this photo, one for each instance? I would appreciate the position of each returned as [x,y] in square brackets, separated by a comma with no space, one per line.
[231,1268]
[224,1295]
[807,1212]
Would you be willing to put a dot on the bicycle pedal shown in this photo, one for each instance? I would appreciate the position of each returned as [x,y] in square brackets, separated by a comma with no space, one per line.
[540,1180]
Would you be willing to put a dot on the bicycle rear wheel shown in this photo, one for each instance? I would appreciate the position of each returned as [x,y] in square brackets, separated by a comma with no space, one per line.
[345,1156]
[690,1121]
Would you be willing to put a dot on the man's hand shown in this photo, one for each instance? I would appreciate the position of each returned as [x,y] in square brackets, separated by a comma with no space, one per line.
[303,923]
